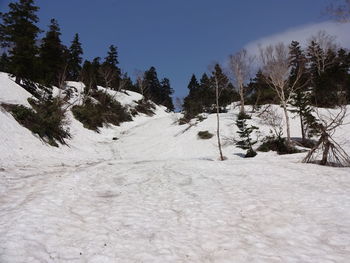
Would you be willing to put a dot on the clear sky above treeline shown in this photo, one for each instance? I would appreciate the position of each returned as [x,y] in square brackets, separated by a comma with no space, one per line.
[177,37]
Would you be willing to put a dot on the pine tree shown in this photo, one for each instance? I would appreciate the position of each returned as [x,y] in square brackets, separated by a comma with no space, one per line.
[90,74]
[52,59]
[75,59]
[112,57]
[301,99]
[259,92]
[128,84]
[206,94]
[327,76]
[244,132]
[225,87]
[192,104]
[4,62]
[110,70]
[166,92]
[152,86]
[19,33]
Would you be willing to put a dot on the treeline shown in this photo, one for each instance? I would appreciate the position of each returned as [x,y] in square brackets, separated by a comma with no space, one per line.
[49,62]
[323,80]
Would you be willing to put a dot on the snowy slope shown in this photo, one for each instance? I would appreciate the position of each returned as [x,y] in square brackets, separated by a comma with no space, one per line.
[20,147]
[159,194]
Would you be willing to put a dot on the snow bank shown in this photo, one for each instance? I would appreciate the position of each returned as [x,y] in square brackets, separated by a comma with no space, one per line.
[158,194]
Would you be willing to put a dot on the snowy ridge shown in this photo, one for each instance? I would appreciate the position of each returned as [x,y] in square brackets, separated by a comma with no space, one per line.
[159,194]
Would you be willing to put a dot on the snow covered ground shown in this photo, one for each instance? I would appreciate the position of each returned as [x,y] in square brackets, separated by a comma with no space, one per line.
[159,194]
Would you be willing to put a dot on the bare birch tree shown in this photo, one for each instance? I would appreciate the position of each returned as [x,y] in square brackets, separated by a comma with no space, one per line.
[276,69]
[140,75]
[330,152]
[240,66]
[108,74]
[319,47]
[220,82]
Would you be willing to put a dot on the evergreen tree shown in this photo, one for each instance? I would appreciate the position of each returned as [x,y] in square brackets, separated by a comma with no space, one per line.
[90,74]
[112,57]
[110,70]
[259,92]
[328,75]
[225,87]
[52,59]
[75,59]
[166,92]
[152,86]
[301,99]
[19,33]
[206,94]
[192,104]
[244,132]
[128,84]
[4,62]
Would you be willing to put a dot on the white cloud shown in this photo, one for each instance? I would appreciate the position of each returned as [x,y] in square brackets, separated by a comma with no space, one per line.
[303,33]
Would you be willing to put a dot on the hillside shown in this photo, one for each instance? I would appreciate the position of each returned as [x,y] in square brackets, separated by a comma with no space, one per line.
[159,194]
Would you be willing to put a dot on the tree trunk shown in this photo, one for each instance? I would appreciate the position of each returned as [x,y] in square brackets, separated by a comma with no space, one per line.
[218,122]
[302,129]
[287,122]
[18,80]
[241,93]
[326,150]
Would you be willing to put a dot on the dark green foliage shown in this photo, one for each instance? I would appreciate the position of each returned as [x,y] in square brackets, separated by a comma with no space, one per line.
[225,88]
[100,109]
[90,74]
[165,94]
[145,107]
[158,92]
[205,135]
[151,85]
[206,94]
[46,119]
[19,33]
[52,56]
[4,62]
[183,121]
[37,90]
[201,97]
[244,132]
[109,71]
[192,106]
[112,57]
[201,118]
[243,115]
[276,144]
[74,59]
[128,84]
[259,92]
[301,101]
[330,81]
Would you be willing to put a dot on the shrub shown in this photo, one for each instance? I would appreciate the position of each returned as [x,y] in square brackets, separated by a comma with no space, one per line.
[46,119]
[183,121]
[245,141]
[201,118]
[277,144]
[145,107]
[105,110]
[243,116]
[205,135]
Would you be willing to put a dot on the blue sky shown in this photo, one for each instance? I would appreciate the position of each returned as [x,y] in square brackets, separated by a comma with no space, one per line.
[177,37]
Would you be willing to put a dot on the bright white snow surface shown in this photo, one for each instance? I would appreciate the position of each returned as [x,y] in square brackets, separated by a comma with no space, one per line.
[159,194]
